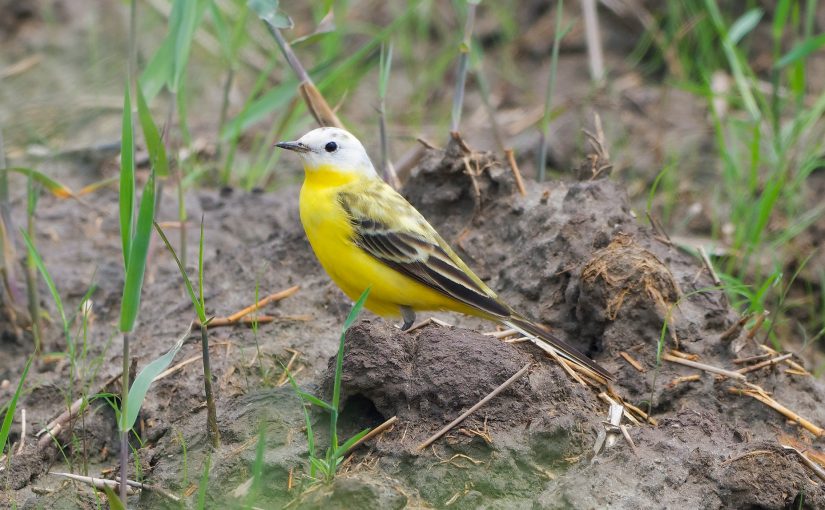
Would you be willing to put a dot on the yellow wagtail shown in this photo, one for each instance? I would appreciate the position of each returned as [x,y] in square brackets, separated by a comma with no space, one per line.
[367,235]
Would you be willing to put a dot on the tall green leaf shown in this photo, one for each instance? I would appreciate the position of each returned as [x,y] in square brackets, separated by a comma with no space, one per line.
[130,303]
[144,379]
[199,307]
[4,430]
[191,13]
[801,50]
[154,144]
[41,266]
[127,178]
[114,501]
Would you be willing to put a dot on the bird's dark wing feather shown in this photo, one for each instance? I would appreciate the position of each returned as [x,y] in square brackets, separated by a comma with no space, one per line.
[424,260]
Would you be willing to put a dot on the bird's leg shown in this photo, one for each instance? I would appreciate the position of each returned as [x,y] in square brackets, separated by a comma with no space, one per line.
[408,314]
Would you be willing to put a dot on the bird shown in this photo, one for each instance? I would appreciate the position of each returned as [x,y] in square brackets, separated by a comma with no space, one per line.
[366,235]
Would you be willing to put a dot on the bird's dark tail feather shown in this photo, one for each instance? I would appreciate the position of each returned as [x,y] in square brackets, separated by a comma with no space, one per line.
[541,336]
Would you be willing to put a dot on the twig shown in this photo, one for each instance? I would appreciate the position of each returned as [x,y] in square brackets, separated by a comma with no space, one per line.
[470,411]
[784,411]
[153,488]
[633,361]
[237,316]
[97,483]
[511,159]
[703,366]
[374,432]
[765,363]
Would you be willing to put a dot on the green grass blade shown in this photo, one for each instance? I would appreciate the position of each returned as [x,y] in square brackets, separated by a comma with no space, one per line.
[199,309]
[350,442]
[127,178]
[41,266]
[268,11]
[130,303]
[54,187]
[158,72]
[801,50]
[744,25]
[200,272]
[154,144]
[191,13]
[144,379]
[4,431]
[114,501]
[203,484]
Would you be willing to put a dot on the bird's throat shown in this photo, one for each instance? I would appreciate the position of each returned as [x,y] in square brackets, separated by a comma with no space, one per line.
[327,176]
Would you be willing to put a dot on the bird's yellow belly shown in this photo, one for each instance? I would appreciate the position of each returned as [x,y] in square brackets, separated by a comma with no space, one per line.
[353,270]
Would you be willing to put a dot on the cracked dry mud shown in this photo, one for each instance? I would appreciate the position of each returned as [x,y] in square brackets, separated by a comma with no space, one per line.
[572,255]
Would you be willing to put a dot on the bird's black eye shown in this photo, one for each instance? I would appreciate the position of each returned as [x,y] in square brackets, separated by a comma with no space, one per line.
[331,147]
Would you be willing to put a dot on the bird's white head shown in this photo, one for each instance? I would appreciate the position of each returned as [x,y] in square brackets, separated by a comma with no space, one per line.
[330,148]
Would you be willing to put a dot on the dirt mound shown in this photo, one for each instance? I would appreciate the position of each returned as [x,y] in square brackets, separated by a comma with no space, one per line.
[575,257]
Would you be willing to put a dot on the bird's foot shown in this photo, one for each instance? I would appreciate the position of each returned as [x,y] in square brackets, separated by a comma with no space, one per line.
[408,314]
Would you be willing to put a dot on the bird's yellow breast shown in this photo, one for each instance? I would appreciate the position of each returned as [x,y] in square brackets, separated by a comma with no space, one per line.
[330,233]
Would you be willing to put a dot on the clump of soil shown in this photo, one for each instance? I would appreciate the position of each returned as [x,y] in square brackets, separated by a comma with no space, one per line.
[570,255]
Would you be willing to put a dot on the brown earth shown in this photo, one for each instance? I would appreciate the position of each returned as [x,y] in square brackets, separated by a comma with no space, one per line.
[571,254]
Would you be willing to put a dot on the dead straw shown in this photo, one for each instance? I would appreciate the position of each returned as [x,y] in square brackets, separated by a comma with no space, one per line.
[769,401]
[703,366]
[374,432]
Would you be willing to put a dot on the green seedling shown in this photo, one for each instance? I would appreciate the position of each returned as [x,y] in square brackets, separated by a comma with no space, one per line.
[325,467]
[200,308]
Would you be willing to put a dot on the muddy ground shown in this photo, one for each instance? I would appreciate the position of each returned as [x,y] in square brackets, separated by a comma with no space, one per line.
[572,254]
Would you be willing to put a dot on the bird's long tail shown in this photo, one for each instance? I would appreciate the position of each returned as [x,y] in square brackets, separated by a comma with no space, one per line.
[547,341]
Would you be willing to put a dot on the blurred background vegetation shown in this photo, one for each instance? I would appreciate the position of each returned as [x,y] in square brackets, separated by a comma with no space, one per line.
[712,111]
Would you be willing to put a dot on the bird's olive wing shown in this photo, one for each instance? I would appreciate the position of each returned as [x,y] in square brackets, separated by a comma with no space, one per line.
[417,255]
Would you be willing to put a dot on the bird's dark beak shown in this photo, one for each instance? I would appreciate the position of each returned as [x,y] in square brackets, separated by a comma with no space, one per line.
[293,146]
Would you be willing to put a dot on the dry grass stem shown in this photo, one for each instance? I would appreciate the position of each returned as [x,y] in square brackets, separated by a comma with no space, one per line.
[633,361]
[758,324]
[733,331]
[763,364]
[97,483]
[475,407]
[751,359]
[686,378]
[703,366]
[428,321]
[504,333]
[776,406]
[746,455]
[22,431]
[712,272]
[179,366]
[287,368]
[816,468]
[684,355]
[239,317]
[373,433]
[511,159]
